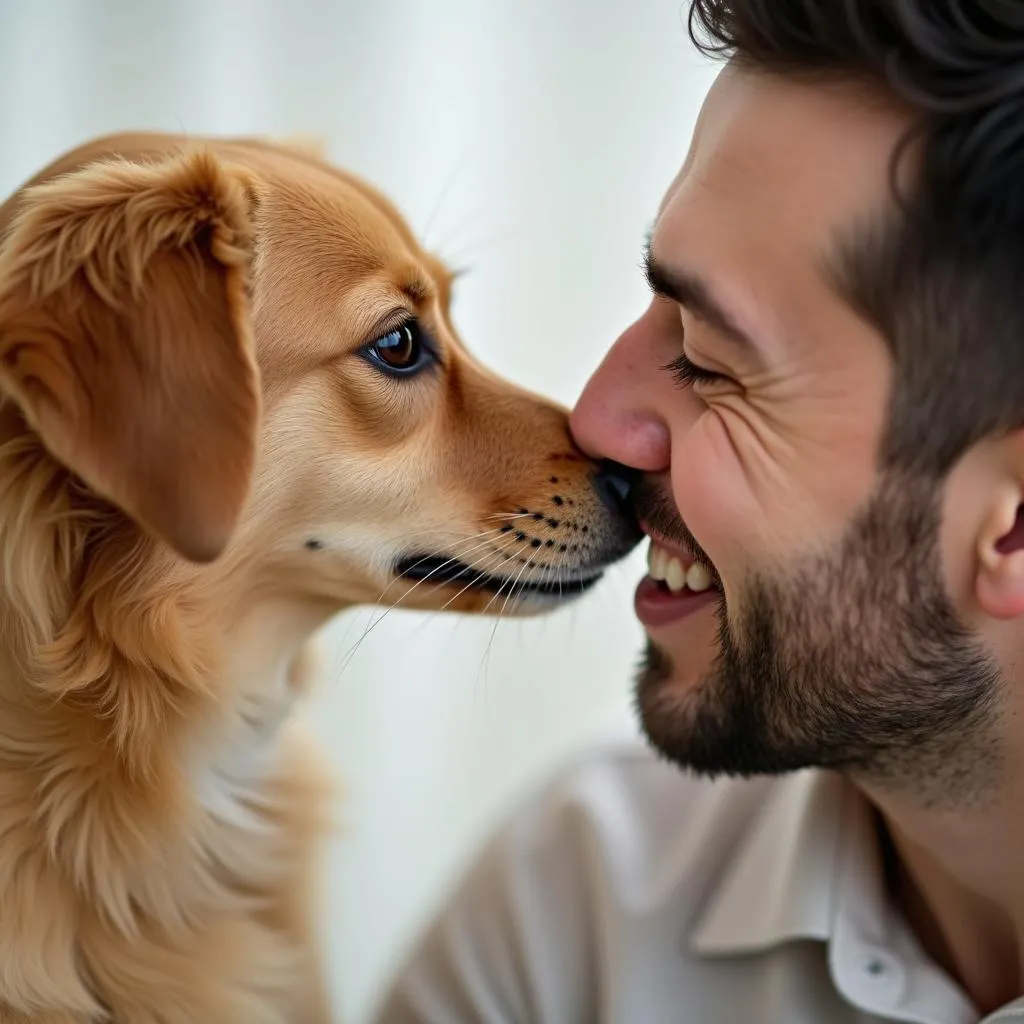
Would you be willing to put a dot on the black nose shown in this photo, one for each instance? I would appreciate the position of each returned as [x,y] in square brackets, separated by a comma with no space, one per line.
[614,482]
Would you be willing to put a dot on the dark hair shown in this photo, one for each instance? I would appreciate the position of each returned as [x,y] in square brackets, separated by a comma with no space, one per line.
[942,273]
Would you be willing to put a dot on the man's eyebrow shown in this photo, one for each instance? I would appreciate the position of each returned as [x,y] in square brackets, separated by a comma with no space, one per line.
[690,292]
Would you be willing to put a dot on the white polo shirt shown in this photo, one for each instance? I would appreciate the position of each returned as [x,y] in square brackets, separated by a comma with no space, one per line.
[630,893]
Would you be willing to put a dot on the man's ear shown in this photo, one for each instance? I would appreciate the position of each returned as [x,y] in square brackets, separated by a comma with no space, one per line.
[125,338]
[1000,587]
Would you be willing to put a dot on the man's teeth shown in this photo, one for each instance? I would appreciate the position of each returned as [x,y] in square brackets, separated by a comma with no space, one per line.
[664,566]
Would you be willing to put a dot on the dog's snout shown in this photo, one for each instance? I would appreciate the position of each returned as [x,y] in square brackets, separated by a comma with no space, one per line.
[614,483]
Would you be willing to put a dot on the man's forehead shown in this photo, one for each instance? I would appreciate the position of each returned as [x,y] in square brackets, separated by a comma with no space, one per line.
[694,144]
[780,175]
[814,151]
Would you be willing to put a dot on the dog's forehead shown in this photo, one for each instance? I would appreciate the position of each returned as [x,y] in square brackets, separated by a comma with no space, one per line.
[335,257]
[339,226]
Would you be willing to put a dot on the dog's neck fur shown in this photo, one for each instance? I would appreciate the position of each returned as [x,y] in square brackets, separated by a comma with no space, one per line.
[159,695]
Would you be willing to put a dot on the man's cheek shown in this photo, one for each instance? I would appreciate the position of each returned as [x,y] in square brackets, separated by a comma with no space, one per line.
[714,499]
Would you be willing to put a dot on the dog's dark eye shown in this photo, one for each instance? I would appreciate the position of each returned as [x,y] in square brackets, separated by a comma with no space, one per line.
[403,351]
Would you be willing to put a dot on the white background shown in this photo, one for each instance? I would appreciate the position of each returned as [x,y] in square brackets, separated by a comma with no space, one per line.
[531,140]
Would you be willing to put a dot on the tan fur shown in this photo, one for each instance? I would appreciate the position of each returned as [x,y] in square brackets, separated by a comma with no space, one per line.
[182,408]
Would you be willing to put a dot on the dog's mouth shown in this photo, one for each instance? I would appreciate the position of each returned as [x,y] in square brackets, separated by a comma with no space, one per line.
[439,570]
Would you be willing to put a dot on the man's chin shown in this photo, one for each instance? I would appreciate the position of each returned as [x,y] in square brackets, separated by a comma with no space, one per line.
[678,662]
[667,698]
[690,720]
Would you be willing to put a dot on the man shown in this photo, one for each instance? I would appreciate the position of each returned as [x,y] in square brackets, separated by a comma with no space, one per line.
[825,399]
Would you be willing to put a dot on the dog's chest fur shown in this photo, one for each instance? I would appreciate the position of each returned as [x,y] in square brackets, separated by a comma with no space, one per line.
[232,769]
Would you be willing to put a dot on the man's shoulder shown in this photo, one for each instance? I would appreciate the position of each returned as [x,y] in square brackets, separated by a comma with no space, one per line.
[629,782]
[588,901]
[633,811]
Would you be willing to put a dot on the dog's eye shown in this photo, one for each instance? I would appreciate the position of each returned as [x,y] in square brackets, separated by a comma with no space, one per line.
[404,350]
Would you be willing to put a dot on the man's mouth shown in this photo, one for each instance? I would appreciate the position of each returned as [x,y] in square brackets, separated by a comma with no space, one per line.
[676,586]
[678,572]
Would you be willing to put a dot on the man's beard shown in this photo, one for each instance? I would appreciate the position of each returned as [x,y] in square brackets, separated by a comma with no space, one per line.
[854,661]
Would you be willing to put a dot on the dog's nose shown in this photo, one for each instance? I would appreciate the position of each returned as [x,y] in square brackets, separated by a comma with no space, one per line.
[614,482]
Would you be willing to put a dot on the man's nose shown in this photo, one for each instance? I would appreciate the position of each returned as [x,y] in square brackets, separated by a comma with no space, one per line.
[616,419]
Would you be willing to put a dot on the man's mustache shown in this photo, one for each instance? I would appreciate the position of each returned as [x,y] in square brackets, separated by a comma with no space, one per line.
[653,506]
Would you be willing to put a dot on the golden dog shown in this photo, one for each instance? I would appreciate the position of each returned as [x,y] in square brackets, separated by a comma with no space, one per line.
[232,403]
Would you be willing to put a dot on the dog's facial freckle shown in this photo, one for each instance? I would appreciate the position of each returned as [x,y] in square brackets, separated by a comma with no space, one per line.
[554,480]
[538,516]
[520,536]
[553,523]
[507,528]
[314,544]
[535,543]
[558,501]
[550,544]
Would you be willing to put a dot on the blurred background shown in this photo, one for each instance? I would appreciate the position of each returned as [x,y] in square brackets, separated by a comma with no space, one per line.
[529,141]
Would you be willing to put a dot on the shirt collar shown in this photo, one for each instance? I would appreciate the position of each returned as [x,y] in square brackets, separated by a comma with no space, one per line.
[780,884]
[810,867]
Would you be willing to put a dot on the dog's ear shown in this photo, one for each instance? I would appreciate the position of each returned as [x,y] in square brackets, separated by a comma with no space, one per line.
[309,145]
[125,338]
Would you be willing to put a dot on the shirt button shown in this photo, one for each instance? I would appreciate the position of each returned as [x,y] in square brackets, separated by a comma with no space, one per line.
[883,974]
[874,966]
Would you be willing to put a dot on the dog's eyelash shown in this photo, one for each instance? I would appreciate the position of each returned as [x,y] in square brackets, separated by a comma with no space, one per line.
[688,373]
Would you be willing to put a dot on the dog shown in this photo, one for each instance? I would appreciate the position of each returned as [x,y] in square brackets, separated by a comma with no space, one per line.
[232,404]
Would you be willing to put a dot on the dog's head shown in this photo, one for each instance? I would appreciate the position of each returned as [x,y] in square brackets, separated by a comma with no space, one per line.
[241,358]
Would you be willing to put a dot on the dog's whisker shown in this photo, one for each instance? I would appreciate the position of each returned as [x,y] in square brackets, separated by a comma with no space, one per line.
[487,535]
[494,562]
[514,582]
[472,216]
[511,515]
[482,574]
[512,595]
[387,611]
[456,171]
[474,247]
[486,661]
[484,558]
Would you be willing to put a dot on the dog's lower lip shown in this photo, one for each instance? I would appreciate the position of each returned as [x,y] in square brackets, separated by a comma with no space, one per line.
[446,571]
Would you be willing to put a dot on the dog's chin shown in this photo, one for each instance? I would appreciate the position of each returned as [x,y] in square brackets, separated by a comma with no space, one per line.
[437,581]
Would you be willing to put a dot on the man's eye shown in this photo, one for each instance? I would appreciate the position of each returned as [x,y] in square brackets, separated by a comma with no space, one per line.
[688,373]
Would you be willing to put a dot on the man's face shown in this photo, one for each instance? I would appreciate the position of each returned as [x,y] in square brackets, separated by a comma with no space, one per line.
[754,399]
